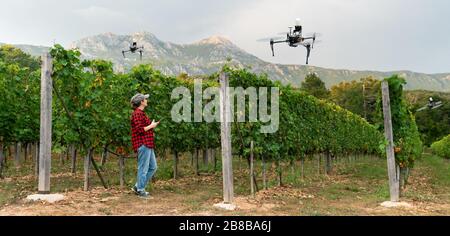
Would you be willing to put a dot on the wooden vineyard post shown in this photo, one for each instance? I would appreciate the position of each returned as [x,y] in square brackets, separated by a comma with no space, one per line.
[225,120]
[252,174]
[45,149]
[175,164]
[122,168]
[328,163]
[263,163]
[196,163]
[36,161]
[205,156]
[214,159]
[73,166]
[17,154]
[25,149]
[87,167]
[303,167]
[33,152]
[393,177]
[319,157]
[2,157]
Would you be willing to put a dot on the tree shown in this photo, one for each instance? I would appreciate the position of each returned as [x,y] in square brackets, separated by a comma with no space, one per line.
[433,124]
[358,97]
[314,86]
[19,87]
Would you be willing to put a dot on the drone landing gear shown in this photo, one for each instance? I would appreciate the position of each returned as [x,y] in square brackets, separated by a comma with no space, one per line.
[271,46]
[308,51]
[140,53]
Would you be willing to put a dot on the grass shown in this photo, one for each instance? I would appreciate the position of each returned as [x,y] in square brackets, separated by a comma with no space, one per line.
[441,173]
[352,186]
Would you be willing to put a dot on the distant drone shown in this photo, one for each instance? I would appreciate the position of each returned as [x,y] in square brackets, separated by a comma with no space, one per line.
[431,105]
[133,49]
[294,39]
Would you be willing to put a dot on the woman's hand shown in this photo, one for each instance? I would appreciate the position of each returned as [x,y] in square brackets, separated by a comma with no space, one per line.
[152,125]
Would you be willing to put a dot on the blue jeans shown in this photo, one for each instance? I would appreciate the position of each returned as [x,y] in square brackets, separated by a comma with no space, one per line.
[146,166]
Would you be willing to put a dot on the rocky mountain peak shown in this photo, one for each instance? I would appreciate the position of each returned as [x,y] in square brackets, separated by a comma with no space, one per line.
[216,39]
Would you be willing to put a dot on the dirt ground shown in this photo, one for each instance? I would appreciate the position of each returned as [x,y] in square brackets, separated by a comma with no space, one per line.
[338,194]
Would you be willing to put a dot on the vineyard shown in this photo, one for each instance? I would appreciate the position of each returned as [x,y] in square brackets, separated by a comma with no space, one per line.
[91,113]
[442,147]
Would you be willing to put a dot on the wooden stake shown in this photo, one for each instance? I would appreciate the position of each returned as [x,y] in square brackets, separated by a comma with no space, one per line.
[2,156]
[196,163]
[74,159]
[205,156]
[263,163]
[392,173]
[61,158]
[328,166]
[33,152]
[225,120]
[303,168]
[213,153]
[175,165]
[25,149]
[36,160]
[45,150]
[87,165]
[122,170]
[67,153]
[319,157]
[280,174]
[17,154]
[252,174]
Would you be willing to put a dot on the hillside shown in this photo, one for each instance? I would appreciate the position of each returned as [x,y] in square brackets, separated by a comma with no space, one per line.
[208,55]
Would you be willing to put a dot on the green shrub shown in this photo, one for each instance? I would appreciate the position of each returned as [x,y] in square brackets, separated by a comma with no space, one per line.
[442,147]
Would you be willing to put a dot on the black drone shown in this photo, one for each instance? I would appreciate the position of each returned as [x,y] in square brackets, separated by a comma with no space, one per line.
[431,105]
[294,39]
[133,49]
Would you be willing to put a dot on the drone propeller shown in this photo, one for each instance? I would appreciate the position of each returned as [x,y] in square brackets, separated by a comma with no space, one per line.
[431,106]
[422,108]
[264,40]
[437,105]
[312,34]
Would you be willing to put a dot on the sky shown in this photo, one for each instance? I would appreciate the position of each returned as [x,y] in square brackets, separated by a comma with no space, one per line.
[383,35]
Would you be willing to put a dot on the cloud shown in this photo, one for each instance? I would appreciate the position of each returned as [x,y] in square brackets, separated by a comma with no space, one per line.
[98,13]
[356,34]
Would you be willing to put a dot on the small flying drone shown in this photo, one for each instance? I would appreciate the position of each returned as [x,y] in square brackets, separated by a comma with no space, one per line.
[294,39]
[431,105]
[133,49]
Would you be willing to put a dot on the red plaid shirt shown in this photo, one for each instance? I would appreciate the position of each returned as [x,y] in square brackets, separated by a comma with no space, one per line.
[139,137]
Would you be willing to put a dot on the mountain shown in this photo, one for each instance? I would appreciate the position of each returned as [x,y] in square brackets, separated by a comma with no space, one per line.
[31,49]
[208,55]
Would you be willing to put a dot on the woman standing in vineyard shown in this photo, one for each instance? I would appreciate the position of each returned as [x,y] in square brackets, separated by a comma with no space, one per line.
[143,143]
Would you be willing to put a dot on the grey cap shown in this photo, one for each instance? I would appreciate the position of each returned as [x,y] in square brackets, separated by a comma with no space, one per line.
[138,98]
